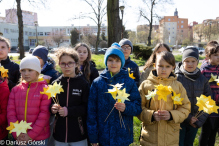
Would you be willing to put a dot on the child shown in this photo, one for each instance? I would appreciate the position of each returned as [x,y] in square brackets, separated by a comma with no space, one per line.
[161,120]
[209,129]
[27,104]
[4,90]
[149,64]
[127,48]
[86,65]
[13,68]
[195,84]
[100,103]
[71,111]
[46,63]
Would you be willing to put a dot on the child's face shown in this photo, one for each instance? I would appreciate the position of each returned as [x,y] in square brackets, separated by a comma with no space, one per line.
[161,49]
[190,64]
[68,66]
[114,65]
[214,59]
[29,75]
[163,68]
[4,50]
[83,53]
[126,50]
[41,61]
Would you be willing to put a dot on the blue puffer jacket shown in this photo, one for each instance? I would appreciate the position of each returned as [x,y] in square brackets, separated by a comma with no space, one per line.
[134,69]
[50,71]
[100,104]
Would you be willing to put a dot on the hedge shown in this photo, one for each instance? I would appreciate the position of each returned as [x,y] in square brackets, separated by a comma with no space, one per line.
[141,51]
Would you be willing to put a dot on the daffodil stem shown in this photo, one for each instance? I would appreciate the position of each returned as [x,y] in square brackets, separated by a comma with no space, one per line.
[197,113]
[122,119]
[200,115]
[109,114]
[53,100]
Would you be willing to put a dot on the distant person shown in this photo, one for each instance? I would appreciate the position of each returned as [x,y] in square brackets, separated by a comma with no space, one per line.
[87,66]
[13,68]
[127,48]
[149,65]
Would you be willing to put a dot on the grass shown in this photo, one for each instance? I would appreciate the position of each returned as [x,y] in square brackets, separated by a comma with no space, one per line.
[178,58]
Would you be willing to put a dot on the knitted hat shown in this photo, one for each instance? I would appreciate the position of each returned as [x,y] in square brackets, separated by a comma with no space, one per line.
[116,50]
[126,42]
[31,62]
[41,52]
[190,52]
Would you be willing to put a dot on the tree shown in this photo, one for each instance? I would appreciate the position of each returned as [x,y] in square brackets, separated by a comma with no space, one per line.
[186,41]
[198,30]
[132,37]
[103,36]
[74,36]
[103,44]
[57,37]
[151,6]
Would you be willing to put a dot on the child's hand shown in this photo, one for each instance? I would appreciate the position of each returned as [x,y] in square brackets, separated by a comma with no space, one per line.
[164,115]
[55,108]
[156,116]
[192,121]
[95,144]
[61,111]
[26,137]
[120,106]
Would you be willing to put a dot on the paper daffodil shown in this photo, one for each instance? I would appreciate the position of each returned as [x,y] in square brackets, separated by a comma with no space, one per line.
[55,89]
[151,94]
[4,72]
[122,95]
[11,127]
[131,74]
[176,98]
[44,92]
[201,101]
[21,127]
[113,92]
[118,86]
[162,92]
[213,78]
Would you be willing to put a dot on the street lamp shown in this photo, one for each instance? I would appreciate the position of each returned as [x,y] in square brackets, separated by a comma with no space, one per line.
[36,24]
[122,11]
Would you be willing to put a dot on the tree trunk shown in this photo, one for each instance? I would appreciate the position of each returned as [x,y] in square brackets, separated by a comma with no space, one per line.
[151,22]
[20,26]
[114,22]
[98,38]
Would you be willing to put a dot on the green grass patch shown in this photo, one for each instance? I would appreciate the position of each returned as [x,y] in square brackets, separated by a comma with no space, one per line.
[99,60]
[178,58]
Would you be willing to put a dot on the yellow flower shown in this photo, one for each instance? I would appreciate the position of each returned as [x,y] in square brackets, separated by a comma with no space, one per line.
[21,127]
[131,74]
[213,78]
[118,86]
[113,92]
[4,72]
[122,95]
[162,92]
[11,127]
[176,98]
[55,89]
[151,94]
[44,92]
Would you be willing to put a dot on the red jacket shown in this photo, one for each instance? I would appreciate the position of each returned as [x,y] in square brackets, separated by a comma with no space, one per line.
[26,103]
[4,94]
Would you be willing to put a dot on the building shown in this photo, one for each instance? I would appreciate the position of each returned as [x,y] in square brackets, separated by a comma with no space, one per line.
[173,29]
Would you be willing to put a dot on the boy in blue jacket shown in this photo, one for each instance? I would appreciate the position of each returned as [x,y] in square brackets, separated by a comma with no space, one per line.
[100,103]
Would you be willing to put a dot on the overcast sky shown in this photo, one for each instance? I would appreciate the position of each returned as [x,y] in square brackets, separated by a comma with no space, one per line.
[59,13]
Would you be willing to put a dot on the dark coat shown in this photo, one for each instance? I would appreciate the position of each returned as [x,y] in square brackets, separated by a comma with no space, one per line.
[13,72]
[50,71]
[73,127]
[194,89]
[100,104]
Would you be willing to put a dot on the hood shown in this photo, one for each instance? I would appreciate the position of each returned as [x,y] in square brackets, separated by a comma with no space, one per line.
[39,82]
[211,67]
[64,79]
[106,73]
[177,69]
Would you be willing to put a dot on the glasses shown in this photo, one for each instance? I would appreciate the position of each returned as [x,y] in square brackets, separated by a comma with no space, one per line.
[126,48]
[63,65]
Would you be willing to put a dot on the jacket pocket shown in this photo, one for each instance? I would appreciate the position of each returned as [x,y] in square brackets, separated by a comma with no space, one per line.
[149,133]
[80,123]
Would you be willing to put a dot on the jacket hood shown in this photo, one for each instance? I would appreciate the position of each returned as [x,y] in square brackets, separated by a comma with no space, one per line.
[64,79]
[4,84]
[34,83]
[106,73]
[211,67]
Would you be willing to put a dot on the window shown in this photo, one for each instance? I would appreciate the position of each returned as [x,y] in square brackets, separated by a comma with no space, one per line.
[26,42]
[173,32]
[169,19]
[181,21]
[30,33]
[181,30]
[40,33]
[47,33]
[181,26]
[178,26]
[34,33]
[178,21]
[32,42]
[6,30]
[168,28]
[25,32]
[173,27]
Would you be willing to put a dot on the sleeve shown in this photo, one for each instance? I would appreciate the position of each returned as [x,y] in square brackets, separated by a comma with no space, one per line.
[3,105]
[11,110]
[16,77]
[146,114]
[182,111]
[94,75]
[92,124]
[42,119]
[137,75]
[133,107]
[80,110]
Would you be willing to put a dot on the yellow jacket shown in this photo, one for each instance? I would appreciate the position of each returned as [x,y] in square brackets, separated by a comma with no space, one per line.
[162,133]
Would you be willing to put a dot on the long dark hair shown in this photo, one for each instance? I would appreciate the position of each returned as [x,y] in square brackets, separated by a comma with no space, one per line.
[152,58]
[86,63]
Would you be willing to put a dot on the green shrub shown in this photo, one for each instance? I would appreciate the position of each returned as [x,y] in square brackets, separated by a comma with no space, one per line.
[141,51]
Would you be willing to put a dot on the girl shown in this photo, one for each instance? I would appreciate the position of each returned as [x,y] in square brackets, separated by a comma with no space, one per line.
[86,65]
[13,68]
[4,90]
[71,111]
[149,64]
[161,120]
[27,104]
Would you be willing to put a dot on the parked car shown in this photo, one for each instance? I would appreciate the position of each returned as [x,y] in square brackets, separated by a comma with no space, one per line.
[201,50]
[53,50]
[31,50]
[182,49]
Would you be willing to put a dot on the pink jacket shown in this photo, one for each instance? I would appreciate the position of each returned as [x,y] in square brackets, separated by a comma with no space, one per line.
[26,103]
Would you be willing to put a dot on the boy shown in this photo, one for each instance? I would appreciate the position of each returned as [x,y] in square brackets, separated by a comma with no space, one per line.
[127,48]
[195,84]
[100,104]
[209,129]
[13,68]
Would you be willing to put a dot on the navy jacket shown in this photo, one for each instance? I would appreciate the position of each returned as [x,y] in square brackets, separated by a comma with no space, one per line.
[134,69]
[100,104]
[50,71]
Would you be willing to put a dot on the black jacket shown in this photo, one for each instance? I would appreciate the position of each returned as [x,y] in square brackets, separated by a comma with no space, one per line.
[93,72]
[13,72]
[75,122]
[194,89]
[50,71]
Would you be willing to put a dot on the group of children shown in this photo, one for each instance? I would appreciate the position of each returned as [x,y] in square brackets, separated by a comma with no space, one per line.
[86,112]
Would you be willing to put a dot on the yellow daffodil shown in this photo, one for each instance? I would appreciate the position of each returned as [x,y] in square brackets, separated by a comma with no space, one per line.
[44,92]
[4,72]
[151,94]
[131,74]
[11,127]
[213,78]
[21,127]
[55,89]
[113,92]
[162,92]
[176,98]
[122,95]
[118,86]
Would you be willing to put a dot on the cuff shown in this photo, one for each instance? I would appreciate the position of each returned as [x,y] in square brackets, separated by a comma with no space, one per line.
[171,117]
[66,111]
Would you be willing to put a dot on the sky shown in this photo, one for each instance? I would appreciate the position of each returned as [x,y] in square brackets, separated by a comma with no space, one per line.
[57,13]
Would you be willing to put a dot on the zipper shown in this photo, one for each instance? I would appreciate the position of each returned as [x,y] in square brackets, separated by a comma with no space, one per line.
[25,114]
[66,134]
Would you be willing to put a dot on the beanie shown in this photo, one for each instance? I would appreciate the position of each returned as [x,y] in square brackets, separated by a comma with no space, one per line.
[116,50]
[41,52]
[31,62]
[126,42]
[190,52]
